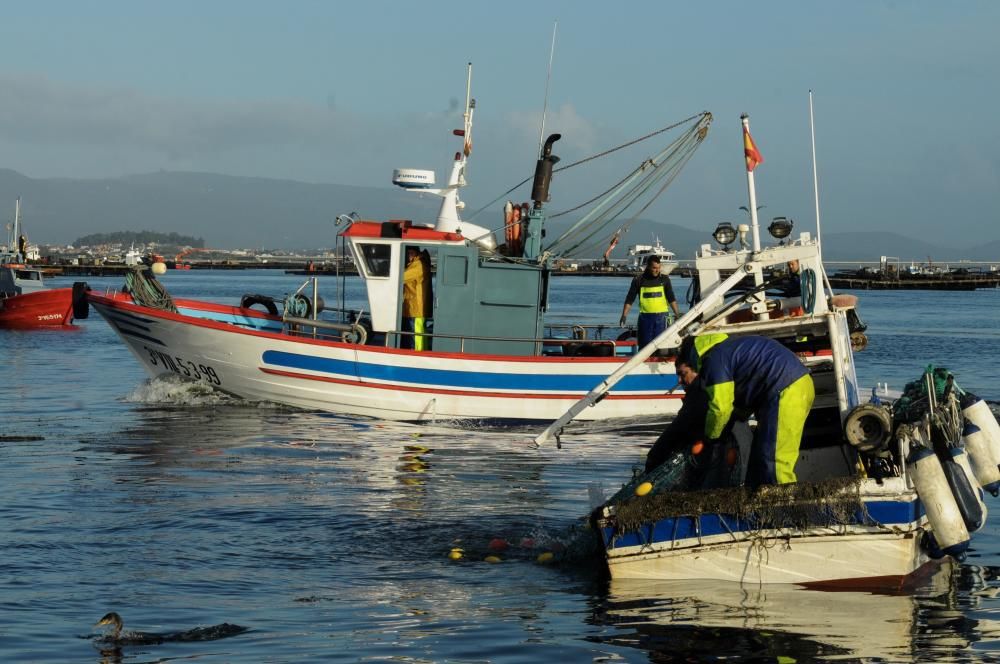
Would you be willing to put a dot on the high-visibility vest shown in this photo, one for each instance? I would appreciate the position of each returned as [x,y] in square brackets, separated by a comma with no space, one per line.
[652,299]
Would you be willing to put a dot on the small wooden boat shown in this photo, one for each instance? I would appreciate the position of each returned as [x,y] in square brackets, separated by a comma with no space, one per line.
[885,493]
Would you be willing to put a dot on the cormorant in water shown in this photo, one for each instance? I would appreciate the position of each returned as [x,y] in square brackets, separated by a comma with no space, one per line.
[117,637]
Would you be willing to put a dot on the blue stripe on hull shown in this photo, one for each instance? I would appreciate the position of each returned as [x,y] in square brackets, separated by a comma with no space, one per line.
[886,513]
[447,378]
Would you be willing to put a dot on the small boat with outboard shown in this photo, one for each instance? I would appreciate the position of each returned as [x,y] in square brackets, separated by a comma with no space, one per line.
[488,352]
[886,489]
[25,300]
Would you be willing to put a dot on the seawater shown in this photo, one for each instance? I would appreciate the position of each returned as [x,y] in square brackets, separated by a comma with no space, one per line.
[328,536]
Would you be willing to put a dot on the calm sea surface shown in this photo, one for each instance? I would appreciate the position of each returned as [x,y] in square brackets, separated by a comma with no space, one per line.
[328,537]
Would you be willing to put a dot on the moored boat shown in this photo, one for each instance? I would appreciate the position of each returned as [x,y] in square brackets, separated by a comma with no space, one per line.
[639,253]
[25,300]
[488,353]
[885,491]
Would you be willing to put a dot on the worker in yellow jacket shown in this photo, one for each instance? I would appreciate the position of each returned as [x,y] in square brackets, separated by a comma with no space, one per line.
[417,301]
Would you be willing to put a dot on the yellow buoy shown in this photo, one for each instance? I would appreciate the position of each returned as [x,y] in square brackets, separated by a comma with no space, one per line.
[643,488]
[492,559]
[545,557]
[159,268]
[455,554]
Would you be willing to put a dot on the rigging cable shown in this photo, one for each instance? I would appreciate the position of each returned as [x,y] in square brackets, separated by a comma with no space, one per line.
[598,155]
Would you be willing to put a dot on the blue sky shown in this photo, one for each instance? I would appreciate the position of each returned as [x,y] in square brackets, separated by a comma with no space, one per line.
[905,97]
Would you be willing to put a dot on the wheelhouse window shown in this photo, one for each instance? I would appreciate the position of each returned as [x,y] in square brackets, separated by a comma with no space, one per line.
[376,257]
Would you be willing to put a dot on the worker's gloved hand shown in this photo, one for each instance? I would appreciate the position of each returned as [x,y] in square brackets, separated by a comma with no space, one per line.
[621,321]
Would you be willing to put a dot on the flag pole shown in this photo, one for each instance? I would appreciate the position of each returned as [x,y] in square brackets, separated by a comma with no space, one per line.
[752,191]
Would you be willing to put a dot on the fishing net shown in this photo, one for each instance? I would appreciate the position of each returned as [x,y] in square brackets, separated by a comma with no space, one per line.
[914,402]
[146,291]
[836,501]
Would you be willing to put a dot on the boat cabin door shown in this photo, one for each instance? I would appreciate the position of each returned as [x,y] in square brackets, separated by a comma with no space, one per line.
[416,297]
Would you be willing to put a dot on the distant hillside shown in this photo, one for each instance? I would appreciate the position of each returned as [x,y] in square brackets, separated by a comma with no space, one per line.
[226,211]
[140,238]
[241,212]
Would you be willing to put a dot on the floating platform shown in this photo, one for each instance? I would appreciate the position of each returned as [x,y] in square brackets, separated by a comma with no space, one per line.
[950,281]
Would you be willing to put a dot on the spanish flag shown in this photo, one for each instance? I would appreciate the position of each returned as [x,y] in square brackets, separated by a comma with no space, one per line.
[750,150]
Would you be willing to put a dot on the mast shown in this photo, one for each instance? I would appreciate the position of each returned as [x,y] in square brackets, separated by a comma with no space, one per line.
[812,135]
[16,234]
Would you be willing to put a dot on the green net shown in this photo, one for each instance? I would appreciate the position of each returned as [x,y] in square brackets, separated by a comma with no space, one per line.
[146,291]
[914,401]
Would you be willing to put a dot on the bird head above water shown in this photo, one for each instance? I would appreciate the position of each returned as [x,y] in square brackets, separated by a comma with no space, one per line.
[114,620]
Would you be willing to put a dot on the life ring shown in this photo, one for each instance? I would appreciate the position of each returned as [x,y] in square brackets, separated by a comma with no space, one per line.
[508,217]
[515,232]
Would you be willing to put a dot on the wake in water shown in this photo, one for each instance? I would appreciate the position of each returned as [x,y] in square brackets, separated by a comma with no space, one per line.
[114,638]
[175,391]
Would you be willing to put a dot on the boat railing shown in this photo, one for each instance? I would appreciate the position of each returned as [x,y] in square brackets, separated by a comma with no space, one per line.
[567,346]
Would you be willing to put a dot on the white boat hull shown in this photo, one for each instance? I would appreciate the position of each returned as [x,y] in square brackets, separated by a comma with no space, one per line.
[884,549]
[785,558]
[244,353]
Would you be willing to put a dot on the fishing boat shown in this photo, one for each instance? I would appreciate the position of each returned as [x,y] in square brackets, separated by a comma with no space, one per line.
[639,253]
[25,300]
[489,353]
[886,489]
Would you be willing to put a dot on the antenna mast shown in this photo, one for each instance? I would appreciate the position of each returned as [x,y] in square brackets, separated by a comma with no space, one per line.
[548,77]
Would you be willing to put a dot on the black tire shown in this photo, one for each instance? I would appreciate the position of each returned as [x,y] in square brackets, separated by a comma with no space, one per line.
[248,301]
[81,305]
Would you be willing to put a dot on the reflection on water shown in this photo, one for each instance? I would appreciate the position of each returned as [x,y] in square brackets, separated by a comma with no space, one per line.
[935,621]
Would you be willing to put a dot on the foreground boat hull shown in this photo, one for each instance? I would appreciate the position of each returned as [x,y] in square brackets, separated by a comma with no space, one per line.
[43,308]
[245,353]
[882,548]
[875,558]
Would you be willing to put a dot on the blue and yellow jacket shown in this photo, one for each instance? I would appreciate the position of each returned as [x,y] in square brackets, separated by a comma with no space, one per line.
[742,372]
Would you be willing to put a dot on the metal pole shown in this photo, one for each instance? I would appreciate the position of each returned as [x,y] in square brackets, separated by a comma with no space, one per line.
[812,135]
[745,119]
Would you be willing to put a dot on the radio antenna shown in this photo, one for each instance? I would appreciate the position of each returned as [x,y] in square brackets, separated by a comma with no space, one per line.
[548,77]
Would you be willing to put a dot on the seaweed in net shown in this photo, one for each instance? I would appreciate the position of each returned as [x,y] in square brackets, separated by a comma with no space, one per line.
[831,502]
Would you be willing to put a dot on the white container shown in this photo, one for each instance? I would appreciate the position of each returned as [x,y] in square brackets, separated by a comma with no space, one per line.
[931,485]
[981,438]
[960,457]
